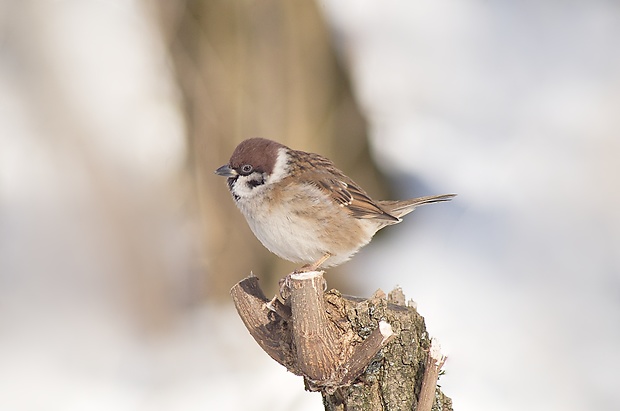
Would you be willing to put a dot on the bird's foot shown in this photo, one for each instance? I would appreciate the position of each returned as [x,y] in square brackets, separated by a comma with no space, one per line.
[314,266]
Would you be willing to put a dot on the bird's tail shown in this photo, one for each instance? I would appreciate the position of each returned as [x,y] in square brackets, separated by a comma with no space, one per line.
[401,208]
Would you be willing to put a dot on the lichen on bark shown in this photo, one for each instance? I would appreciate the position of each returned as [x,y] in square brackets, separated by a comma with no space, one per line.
[393,379]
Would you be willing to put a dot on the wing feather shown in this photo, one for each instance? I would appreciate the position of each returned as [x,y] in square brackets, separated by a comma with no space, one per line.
[342,190]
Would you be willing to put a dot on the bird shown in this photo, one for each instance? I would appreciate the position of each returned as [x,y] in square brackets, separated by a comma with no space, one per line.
[304,209]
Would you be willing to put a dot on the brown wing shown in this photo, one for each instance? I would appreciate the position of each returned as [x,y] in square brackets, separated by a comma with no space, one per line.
[341,188]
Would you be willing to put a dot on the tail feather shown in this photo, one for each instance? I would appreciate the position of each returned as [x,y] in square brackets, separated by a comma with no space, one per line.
[401,208]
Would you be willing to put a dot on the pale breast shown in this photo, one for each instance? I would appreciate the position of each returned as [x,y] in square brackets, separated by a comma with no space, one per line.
[301,224]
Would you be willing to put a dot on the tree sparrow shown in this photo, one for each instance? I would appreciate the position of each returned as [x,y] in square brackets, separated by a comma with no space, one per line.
[302,208]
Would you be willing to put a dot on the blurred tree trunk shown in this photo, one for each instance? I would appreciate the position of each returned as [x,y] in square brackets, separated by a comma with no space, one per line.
[258,68]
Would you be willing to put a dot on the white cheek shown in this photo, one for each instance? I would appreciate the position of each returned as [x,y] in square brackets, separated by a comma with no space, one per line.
[280,168]
[243,190]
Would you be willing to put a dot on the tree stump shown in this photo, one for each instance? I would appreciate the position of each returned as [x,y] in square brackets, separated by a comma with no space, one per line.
[361,354]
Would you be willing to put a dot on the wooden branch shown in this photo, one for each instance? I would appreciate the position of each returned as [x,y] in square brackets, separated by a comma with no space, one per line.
[434,361]
[355,365]
[366,354]
[268,329]
[314,336]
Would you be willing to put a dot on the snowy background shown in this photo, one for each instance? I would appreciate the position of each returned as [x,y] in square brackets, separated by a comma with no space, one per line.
[512,105]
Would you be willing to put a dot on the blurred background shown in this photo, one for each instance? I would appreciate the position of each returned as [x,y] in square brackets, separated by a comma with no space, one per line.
[118,244]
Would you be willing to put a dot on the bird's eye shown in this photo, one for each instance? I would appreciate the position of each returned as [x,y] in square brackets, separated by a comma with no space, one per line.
[246,169]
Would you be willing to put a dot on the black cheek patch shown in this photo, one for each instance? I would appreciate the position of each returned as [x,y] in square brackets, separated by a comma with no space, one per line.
[231,182]
[256,183]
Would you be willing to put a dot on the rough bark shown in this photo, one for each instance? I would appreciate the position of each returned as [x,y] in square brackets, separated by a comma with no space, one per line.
[361,354]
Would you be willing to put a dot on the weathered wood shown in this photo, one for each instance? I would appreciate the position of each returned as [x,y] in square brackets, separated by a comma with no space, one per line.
[393,380]
[314,335]
[268,329]
[355,365]
[361,354]
[434,361]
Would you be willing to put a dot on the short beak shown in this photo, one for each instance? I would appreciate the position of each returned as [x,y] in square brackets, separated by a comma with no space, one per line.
[226,171]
